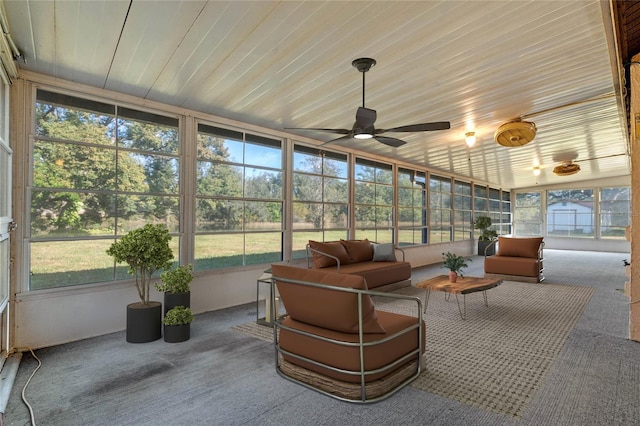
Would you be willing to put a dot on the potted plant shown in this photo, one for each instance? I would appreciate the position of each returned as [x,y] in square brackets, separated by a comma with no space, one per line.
[177,324]
[145,250]
[175,285]
[486,237]
[454,264]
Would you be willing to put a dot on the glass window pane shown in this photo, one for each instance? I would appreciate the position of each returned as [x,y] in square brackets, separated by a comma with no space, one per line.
[307,215]
[70,263]
[155,173]
[365,216]
[263,215]
[72,214]
[152,135]
[263,247]
[307,187]
[261,183]
[73,166]
[336,167]
[336,190]
[218,251]
[305,162]
[336,216]
[219,215]
[219,179]
[263,155]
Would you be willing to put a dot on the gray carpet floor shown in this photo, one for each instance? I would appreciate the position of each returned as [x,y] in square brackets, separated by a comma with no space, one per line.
[222,377]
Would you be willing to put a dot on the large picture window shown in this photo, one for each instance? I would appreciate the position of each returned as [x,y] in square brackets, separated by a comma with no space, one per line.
[99,171]
[320,197]
[374,201]
[570,213]
[412,209]
[239,197]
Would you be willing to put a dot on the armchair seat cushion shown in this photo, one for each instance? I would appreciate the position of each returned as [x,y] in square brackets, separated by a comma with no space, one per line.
[507,265]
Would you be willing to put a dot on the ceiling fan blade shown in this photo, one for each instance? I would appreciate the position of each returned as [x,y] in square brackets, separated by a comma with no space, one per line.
[365,118]
[343,138]
[390,141]
[422,127]
[336,131]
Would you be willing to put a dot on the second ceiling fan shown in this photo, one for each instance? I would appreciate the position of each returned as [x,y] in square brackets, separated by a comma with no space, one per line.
[364,128]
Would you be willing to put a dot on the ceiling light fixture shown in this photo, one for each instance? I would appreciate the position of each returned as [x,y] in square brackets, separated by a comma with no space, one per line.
[363,135]
[470,138]
[536,170]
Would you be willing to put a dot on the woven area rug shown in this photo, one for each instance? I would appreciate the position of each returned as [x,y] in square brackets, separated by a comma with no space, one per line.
[497,358]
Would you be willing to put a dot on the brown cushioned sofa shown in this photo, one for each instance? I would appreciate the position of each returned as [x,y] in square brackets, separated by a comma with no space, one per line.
[376,263]
[334,341]
[517,259]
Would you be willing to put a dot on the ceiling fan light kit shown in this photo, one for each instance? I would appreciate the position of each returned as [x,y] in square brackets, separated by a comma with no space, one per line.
[567,168]
[515,133]
[470,139]
[363,128]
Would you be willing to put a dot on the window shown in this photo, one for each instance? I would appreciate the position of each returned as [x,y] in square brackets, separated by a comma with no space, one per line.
[374,201]
[528,214]
[615,212]
[238,199]
[412,212]
[494,209]
[463,222]
[570,213]
[320,197]
[99,170]
[441,228]
[505,217]
[480,205]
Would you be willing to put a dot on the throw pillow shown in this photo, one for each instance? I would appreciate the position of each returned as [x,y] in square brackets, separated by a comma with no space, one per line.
[384,253]
[335,249]
[330,309]
[358,250]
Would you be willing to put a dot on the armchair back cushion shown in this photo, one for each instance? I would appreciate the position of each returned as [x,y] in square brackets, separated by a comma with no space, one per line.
[330,309]
[358,250]
[519,247]
[335,248]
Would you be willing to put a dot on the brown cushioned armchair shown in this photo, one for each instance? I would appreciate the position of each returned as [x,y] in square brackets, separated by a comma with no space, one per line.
[334,341]
[517,259]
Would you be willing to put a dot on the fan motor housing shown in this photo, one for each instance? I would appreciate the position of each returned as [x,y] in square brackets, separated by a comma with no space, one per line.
[515,133]
[566,169]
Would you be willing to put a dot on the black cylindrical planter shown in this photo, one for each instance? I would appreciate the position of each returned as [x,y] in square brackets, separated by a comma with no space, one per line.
[171,300]
[144,322]
[177,333]
[482,245]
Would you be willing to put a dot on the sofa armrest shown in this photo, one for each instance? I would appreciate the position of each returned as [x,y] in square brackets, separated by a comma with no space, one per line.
[486,249]
[312,250]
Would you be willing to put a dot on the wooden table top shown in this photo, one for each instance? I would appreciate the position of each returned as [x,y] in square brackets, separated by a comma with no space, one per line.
[461,286]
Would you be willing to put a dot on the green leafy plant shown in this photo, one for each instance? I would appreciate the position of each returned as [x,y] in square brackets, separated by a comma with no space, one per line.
[176,280]
[145,250]
[178,315]
[454,263]
[483,223]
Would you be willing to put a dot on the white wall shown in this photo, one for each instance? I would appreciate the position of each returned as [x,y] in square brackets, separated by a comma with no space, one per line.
[64,315]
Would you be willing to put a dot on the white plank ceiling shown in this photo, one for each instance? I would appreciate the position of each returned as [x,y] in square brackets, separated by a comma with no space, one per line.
[477,64]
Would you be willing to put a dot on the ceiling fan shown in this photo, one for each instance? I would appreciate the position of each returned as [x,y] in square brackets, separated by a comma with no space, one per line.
[363,128]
